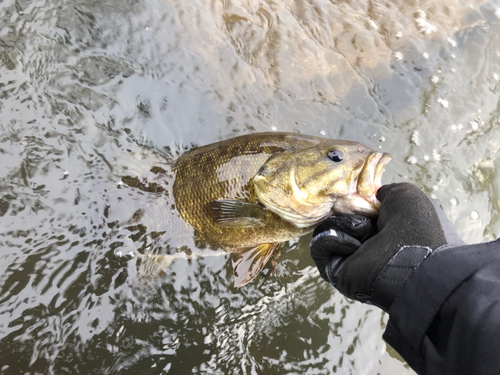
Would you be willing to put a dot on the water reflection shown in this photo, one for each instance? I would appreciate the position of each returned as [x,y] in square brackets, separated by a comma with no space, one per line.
[92,91]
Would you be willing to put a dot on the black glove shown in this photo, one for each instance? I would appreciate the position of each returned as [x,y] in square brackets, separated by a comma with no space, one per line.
[370,263]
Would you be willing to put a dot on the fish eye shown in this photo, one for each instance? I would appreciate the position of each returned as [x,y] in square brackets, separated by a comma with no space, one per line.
[336,155]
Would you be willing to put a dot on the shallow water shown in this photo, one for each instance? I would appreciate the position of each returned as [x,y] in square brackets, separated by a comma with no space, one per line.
[91,91]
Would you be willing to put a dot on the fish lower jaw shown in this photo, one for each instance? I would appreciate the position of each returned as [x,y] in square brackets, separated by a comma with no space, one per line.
[363,205]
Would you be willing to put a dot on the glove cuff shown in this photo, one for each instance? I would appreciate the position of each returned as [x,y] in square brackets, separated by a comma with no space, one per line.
[395,274]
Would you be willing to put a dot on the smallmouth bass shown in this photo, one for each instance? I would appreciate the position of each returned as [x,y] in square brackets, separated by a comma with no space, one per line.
[250,194]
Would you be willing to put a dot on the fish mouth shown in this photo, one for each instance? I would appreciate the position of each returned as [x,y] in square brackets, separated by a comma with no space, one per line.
[370,178]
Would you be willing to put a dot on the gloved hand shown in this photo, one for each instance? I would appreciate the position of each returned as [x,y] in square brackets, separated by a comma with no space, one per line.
[371,263]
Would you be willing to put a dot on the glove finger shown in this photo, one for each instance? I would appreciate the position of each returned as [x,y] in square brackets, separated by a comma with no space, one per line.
[356,226]
[329,269]
[330,245]
[332,242]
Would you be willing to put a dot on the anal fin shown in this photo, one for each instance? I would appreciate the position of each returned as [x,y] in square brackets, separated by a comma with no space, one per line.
[248,263]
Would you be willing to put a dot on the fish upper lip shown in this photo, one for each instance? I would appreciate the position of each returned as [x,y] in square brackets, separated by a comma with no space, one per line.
[370,178]
[379,169]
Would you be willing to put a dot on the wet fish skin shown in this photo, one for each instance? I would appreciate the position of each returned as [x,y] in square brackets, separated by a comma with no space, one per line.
[224,171]
[251,193]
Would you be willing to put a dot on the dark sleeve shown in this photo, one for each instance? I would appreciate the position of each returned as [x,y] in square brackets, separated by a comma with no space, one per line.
[446,319]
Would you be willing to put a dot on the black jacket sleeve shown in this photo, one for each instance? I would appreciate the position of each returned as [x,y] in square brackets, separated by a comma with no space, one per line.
[446,319]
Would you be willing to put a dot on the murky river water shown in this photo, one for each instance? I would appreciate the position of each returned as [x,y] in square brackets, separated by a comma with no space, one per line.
[94,90]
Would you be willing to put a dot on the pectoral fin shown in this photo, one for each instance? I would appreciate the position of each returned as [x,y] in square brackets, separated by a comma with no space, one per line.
[248,263]
[237,214]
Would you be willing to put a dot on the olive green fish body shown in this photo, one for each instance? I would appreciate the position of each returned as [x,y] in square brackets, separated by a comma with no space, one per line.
[224,171]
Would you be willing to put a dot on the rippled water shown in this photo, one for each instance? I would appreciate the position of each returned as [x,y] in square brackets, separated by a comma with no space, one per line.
[91,91]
